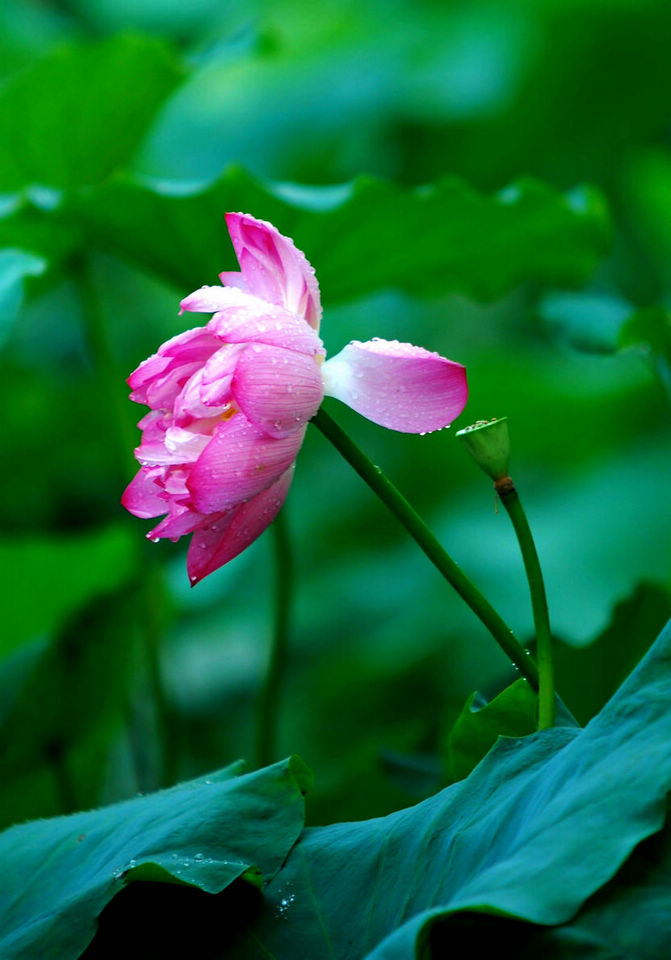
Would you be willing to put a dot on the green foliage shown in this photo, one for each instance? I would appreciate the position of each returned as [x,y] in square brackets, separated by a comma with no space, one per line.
[56,760]
[512,713]
[119,156]
[593,673]
[95,562]
[629,917]
[508,840]
[604,324]
[100,99]
[425,241]
[15,266]
[206,833]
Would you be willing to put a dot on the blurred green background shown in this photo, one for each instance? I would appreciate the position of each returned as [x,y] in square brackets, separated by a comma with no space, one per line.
[115,119]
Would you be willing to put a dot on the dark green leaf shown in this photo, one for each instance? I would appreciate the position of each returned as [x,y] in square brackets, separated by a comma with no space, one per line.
[79,113]
[361,236]
[92,666]
[629,917]
[510,714]
[510,839]
[206,833]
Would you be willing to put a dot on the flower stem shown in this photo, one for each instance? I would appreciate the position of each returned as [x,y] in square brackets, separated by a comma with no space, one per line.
[546,695]
[419,531]
[266,738]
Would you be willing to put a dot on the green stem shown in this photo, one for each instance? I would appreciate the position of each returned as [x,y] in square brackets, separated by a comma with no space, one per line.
[419,531]
[266,741]
[546,694]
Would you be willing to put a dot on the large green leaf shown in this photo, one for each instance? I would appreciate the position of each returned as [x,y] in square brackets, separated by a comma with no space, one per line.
[77,114]
[59,874]
[538,827]
[361,236]
[629,917]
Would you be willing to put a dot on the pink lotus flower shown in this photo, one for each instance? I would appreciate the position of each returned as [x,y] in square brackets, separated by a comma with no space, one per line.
[230,402]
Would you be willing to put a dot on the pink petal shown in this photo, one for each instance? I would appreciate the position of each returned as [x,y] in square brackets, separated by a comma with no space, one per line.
[154,425]
[210,299]
[215,386]
[192,403]
[239,462]
[142,495]
[162,392]
[154,453]
[180,521]
[146,373]
[397,385]
[159,378]
[255,321]
[233,278]
[278,390]
[274,268]
[227,535]
[195,344]
[174,483]
[187,445]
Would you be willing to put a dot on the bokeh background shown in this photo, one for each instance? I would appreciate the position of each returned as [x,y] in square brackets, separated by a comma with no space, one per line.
[116,677]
